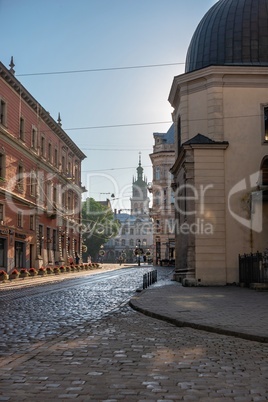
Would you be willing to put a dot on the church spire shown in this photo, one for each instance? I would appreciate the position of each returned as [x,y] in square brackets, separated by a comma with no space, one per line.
[140,169]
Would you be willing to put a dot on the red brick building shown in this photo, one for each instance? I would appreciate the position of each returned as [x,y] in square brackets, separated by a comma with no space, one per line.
[40,182]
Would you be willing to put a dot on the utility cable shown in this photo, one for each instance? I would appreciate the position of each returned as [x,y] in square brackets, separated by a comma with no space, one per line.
[91,70]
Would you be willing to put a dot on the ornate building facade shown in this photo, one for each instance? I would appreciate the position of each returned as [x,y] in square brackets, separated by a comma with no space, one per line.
[220,118]
[136,228]
[40,182]
[162,211]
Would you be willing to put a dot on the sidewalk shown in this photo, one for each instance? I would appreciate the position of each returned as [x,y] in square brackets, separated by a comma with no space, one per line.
[228,310]
[40,280]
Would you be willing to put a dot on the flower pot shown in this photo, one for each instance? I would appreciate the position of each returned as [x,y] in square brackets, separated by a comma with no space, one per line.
[13,276]
[3,278]
[23,275]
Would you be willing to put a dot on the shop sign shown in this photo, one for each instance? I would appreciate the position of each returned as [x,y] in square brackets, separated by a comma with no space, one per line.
[20,235]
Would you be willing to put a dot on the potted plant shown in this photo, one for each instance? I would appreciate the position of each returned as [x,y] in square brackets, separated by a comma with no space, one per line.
[42,271]
[68,268]
[49,270]
[3,275]
[32,272]
[62,269]
[56,270]
[14,274]
[23,273]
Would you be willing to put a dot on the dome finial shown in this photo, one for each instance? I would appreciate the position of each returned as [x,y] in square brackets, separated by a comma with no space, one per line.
[59,120]
[12,65]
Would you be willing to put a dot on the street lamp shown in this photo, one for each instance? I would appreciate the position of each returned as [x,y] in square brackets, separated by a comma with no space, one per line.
[139,252]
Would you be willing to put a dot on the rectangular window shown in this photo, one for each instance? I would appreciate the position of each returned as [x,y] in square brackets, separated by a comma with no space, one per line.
[33,183]
[63,164]
[157,173]
[1,212]
[20,178]
[266,123]
[19,219]
[49,153]
[31,222]
[22,131]
[56,157]
[2,166]
[3,112]
[42,148]
[34,138]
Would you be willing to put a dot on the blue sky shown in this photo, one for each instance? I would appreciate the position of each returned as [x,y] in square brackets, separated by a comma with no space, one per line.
[46,36]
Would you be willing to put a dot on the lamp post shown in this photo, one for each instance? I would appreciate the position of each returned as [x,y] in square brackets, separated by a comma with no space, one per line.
[139,252]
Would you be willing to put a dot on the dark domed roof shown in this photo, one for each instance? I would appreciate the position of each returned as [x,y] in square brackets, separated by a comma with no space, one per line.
[233,32]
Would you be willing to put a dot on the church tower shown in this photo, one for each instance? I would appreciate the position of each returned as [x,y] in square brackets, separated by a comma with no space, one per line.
[139,200]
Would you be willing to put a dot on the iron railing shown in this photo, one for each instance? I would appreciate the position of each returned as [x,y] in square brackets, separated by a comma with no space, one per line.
[253,268]
[149,278]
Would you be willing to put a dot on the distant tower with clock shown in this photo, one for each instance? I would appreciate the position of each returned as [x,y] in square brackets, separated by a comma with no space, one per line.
[139,202]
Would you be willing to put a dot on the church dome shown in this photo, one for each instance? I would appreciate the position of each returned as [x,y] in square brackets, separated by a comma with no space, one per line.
[232,33]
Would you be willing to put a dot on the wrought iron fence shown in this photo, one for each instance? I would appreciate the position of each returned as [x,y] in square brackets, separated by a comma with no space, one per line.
[253,268]
[149,278]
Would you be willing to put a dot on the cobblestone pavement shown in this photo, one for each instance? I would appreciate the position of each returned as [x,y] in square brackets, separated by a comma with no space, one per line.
[126,356]
[119,354]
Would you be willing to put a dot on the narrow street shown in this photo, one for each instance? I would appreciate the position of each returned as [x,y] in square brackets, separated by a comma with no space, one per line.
[79,340]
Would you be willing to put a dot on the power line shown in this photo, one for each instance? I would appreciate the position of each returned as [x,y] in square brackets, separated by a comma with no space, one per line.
[118,125]
[104,170]
[114,149]
[91,70]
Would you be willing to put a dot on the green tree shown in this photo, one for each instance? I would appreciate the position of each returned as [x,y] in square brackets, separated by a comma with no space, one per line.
[99,226]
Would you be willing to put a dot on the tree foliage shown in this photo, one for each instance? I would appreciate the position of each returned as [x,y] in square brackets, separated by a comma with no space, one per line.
[99,226]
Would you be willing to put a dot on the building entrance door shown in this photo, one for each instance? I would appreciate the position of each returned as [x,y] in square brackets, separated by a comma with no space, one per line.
[19,254]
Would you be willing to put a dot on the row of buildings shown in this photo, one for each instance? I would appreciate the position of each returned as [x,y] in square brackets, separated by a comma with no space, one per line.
[40,182]
[209,187]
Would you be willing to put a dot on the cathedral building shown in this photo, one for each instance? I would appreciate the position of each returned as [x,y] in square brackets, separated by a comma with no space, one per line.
[136,231]
[221,143]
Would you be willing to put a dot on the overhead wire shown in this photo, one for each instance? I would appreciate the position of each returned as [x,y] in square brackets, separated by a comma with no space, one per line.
[90,70]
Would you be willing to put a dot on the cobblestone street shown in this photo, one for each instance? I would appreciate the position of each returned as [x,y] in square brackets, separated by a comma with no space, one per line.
[127,356]
[113,353]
